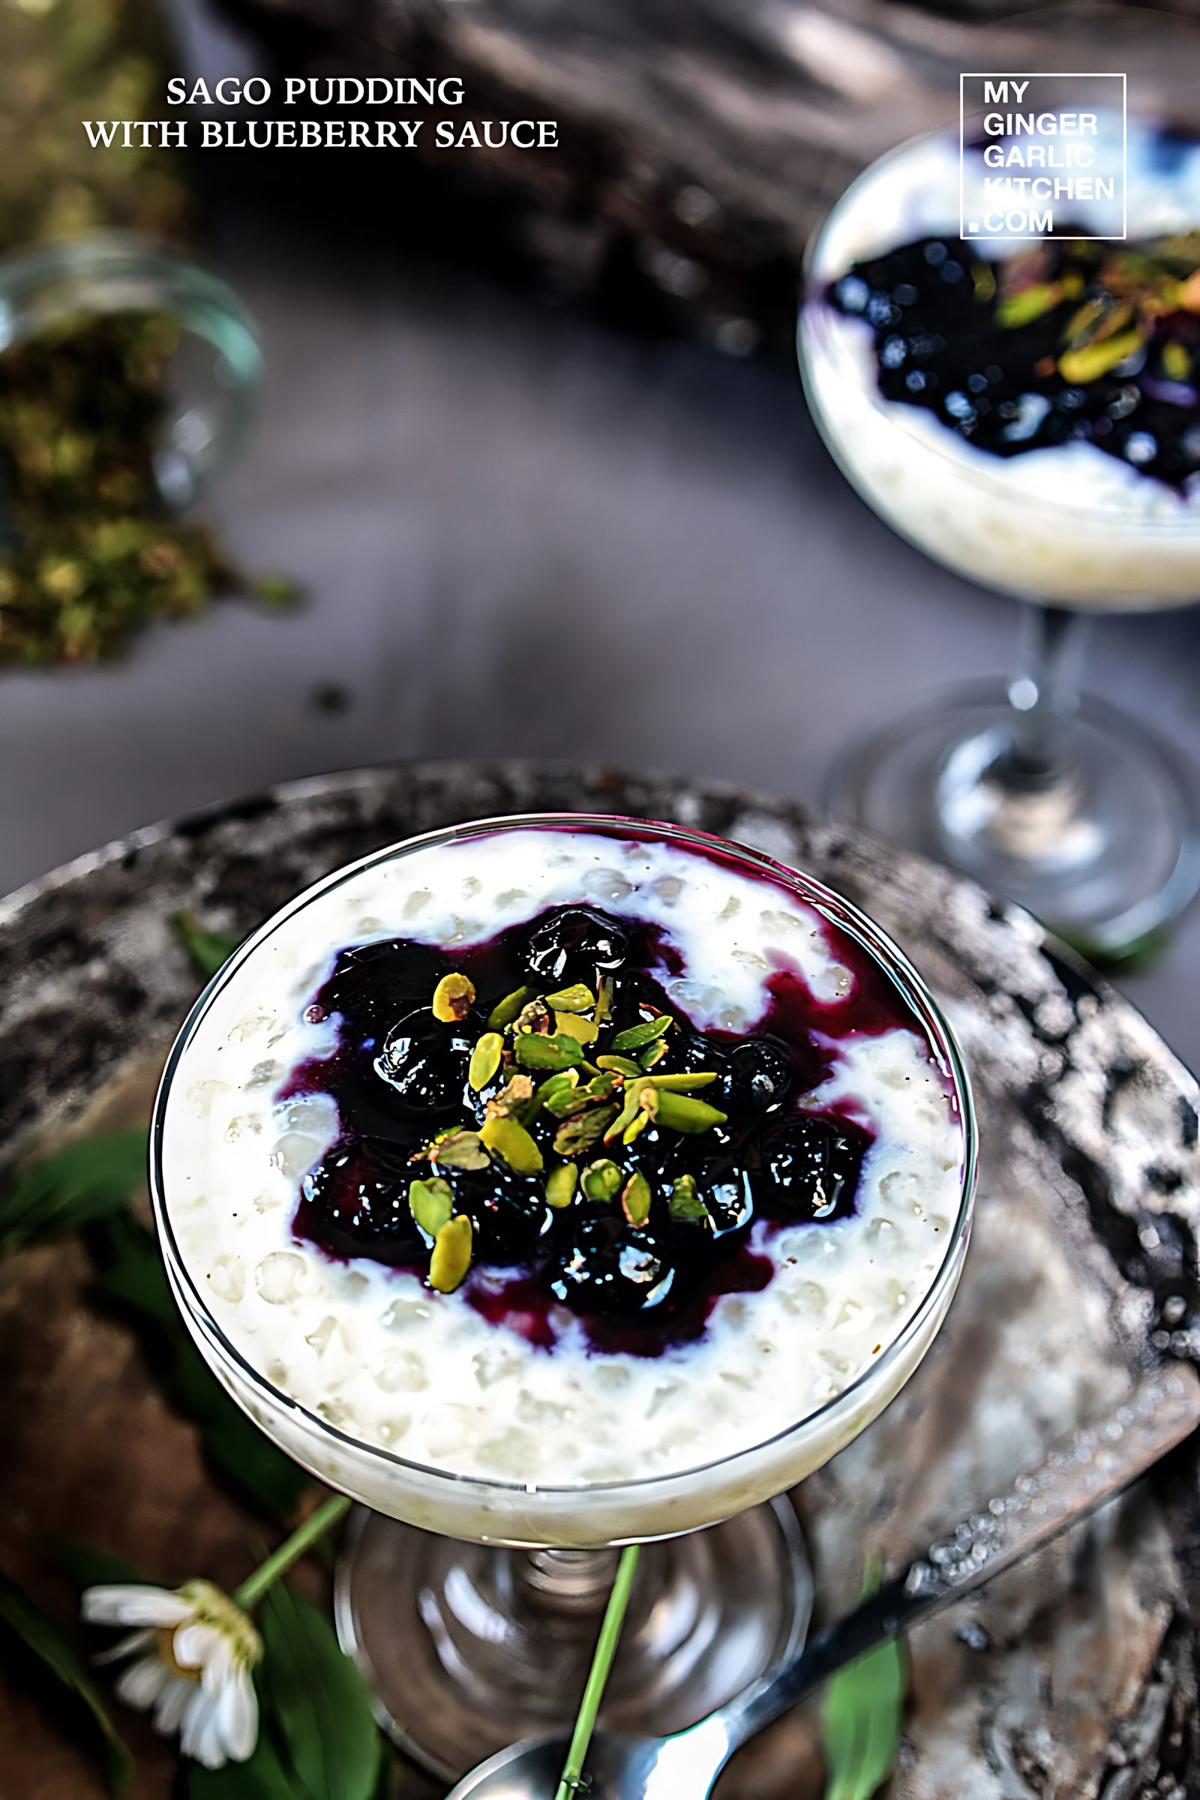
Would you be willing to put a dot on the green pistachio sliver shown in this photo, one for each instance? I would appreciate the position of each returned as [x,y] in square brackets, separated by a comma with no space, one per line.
[635,1130]
[680,1113]
[1029,304]
[451,1254]
[513,1144]
[685,1203]
[635,1199]
[628,1113]
[1097,359]
[508,1009]
[459,1150]
[604,1000]
[601,1180]
[485,1060]
[453,998]
[619,1065]
[683,1084]
[584,1130]
[515,1099]
[582,1030]
[635,1036]
[533,1016]
[560,1185]
[576,999]
[555,1052]
[1177,364]
[653,1053]
[431,1203]
[567,1102]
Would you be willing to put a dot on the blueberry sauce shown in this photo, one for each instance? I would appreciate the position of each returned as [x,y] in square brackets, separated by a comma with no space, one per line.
[399,1077]
[1072,341]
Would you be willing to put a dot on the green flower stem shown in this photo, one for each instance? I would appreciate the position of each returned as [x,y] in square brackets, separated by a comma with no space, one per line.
[606,1644]
[289,1552]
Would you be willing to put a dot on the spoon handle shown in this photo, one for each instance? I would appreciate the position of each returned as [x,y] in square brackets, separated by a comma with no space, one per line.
[1077,1477]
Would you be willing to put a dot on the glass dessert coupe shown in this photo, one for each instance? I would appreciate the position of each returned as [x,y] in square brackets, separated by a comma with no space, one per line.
[1028,415]
[520,1343]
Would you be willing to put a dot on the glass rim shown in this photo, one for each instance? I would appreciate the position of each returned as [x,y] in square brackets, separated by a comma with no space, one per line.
[814,314]
[831,906]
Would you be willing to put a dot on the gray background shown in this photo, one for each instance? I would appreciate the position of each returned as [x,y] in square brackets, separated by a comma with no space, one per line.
[522,535]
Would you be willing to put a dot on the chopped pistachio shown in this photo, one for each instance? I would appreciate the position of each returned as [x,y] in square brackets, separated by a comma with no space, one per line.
[533,1016]
[1096,359]
[505,1011]
[459,1150]
[641,1121]
[601,1180]
[683,1084]
[628,1112]
[431,1203]
[984,281]
[604,1000]
[510,1141]
[1029,304]
[584,1130]
[485,1060]
[685,1203]
[514,1097]
[557,1052]
[560,1185]
[652,1054]
[453,998]
[451,1254]
[576,999]
[680,1113]
[1177,364]
[582,1030]
[619,1065]
[635,1199]
[635,1036]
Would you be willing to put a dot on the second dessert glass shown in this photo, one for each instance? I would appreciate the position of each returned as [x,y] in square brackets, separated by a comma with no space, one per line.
[472,1604]
[1051,797]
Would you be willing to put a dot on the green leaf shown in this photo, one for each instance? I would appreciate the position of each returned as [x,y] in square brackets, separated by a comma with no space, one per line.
[263,1776]
[85,1566]
[84,1181]
[863,1705]
[317,1700]
[209,950]
[39,1651]
[131,1276]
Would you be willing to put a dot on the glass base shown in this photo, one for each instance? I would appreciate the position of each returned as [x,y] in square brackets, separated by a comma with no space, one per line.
[1104,847]
[468,1647]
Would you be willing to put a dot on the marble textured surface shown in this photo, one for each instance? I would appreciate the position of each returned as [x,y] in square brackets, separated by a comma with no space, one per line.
[1074,1674]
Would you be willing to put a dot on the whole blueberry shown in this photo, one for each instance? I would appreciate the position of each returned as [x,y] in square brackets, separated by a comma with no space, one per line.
[808,1167]
[575,944]
[425,1062]
[604,1265]
[508,1212]
[757,1077]
[355,1203]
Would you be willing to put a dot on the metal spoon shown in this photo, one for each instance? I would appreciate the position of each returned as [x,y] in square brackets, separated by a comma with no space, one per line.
[1088,1469]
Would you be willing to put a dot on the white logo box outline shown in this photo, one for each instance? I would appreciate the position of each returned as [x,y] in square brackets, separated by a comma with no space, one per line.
[979,237]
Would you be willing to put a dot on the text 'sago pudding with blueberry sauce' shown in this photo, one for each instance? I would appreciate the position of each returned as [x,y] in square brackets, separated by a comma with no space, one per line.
[564,1180]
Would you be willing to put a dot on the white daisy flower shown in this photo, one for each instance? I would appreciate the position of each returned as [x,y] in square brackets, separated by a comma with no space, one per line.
[194,1649]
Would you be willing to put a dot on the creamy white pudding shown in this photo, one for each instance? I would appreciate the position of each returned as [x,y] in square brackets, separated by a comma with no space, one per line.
[449,1408]
[1068,523]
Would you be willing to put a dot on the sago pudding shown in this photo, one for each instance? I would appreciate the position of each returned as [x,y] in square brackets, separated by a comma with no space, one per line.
[1028,412]
[542,1180]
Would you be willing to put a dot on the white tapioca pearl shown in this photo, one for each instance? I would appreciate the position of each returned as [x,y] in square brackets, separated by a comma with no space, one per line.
[263,1203]
[245,1125]
[277,1375]
[261,1075]
[416,902]
[251,1026]
[295,1153]
[667,887]
[403,1314]
[318,1339]
[400,1372]
[611,1376]
[280,1276]
[227,1278]
[532,1410]
[369,922]
[606,884]
[449,1428]
[495,1363]
[202,1094]
[514,1452]
[392,1430]
[852,1315]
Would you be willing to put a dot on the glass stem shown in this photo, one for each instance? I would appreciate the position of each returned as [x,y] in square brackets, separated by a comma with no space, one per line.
[1045,694]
